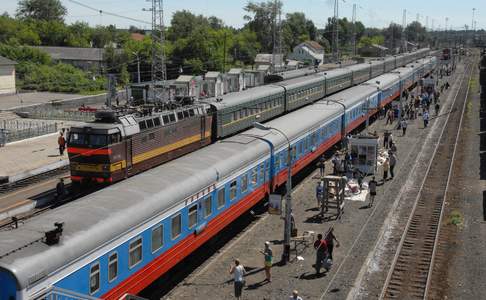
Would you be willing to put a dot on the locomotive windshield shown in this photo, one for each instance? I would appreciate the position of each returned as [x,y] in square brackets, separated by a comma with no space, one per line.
[93,140]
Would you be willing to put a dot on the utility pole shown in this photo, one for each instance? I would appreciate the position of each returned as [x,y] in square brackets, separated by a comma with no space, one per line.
[354,29]
[404,24]
[335,33]
[446,33]
[224,54]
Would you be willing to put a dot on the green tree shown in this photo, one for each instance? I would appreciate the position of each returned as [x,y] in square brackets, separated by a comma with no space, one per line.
[296,28]
[393,35]
[47,10]
[260,19]
[415,32]
[124,77]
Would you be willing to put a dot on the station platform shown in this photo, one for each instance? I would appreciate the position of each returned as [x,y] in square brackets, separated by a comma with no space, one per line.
[22,159]
[358,231]
[9,102]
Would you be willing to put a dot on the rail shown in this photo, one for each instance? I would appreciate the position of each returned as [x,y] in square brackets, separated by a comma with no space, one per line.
[409,275]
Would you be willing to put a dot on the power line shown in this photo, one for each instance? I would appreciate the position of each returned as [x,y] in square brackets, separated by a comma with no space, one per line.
[108,13]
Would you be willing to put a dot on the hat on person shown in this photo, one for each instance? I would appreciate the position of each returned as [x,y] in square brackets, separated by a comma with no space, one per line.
[267,243]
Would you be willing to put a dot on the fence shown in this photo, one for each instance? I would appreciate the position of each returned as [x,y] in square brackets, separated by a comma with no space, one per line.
[16,130]
[53,114]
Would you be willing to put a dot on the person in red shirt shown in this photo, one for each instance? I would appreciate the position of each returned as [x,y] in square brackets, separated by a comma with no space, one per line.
[62,143]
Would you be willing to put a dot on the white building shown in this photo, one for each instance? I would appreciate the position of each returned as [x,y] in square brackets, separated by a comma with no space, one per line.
[7,76]
[309,52]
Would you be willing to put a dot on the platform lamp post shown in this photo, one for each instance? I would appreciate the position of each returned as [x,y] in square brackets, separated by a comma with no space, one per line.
[288,196]
[343,123]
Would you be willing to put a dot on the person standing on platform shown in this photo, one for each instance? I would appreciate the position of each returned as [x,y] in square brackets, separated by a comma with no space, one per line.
[386,136]
[372,188]
[330,238]
[386,167]
[268,261]
[393,162]
[61,142]
[321,252]
[320,193]
[403,124]
[425,117]
[238,271]
[390,140]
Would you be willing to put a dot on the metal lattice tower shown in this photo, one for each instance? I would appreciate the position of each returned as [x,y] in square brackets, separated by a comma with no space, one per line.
[159,72]
[335,32]
[354,29]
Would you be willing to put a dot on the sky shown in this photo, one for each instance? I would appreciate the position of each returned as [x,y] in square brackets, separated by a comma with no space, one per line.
[373,13]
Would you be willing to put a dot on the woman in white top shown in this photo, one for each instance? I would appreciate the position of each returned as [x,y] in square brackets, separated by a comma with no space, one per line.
[238,271]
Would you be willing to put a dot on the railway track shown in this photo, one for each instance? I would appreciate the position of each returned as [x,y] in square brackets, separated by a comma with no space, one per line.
[11,187]
[409,275]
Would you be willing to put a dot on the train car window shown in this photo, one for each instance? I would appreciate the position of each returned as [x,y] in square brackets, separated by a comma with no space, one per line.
[180,115]
[300,147]
[232,190]
[165,119]
[244,183]
[157,121]
[77,139]
[98,140]
[94,278]
[235,115]
[208,206]
[186,114]
[314,139]
[150,123]
[172,118]
[294,152]
[143,125]
[221,198]
[135,252]
[176,226]
[157,237]
[306,144]
[254,176]
[112,266]
[191,112]
[277,161]
[192,216]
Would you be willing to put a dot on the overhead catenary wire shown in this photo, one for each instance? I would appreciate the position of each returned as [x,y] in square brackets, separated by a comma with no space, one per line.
[109,13]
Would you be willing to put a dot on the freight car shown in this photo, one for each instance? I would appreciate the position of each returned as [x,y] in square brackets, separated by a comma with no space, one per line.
[107,152]
[120,239]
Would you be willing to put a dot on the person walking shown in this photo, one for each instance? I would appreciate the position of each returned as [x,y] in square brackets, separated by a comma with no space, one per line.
[393,162]
[403,124]
[295,295]
[61,142]
[321,252]
[268,258]
[372,187]
[238,271]
[330,238]
[336,162]
[390,140]
[386,167]
[437,108]
[60,190]
[393,148]
[389,117]
[425,117]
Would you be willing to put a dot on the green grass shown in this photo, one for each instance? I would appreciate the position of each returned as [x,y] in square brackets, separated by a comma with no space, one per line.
[456,218]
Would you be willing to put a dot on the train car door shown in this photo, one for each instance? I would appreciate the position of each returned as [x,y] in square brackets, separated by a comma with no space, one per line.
[128,155]
[203,127]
